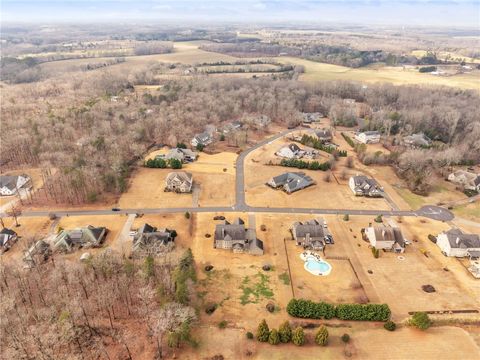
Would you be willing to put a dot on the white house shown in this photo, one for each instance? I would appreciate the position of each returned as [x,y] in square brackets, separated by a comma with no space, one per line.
[386,238]
[204,139]
[455,243]
[9,185]
[179,181]
[368,137]
[468,180]
[291,151]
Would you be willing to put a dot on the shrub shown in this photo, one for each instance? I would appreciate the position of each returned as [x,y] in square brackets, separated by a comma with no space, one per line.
[368,312]
[181,146]
[349,140]
[285,332]
[200,147]
[263,331]
[426,69]
[421,320]
[249,335]
[175,163]
[298,336]
[317,144]
[375,252]
[308,309]
[273,338]
[346,217]
[222,137]
[379,219]
[187,215]
[321,338]
[222,324]
[345,338]
[390,325]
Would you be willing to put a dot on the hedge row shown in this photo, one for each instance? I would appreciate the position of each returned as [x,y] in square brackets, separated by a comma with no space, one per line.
[300,164]
[349,140]
[317,144]
[311,310]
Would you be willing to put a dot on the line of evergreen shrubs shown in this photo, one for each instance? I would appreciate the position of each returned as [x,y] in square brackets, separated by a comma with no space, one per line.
[348,139]
[159,163]
[312,310]
[300,164]
[317,144]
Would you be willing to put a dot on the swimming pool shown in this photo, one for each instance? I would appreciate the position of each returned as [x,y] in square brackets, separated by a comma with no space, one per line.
[316,265]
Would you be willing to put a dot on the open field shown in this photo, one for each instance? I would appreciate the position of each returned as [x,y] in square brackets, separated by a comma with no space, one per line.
[214,175]
[446,54]
[468,211]
[315,71]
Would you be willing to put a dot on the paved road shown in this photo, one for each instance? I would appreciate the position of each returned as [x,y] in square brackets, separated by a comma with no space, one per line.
[433,212]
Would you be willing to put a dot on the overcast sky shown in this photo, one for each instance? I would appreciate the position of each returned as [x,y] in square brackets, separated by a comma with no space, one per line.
[463,13]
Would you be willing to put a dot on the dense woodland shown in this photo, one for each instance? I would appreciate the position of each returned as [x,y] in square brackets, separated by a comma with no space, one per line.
[92,126]
[99,309]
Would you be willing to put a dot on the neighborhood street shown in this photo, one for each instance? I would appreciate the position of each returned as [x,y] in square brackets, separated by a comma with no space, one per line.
[433,212]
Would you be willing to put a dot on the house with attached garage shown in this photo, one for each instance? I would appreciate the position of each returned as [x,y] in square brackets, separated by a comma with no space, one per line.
[183,155]
[311,234]
[232,127]
[149,240]
[179,181]
[386,238]
[455,243]
[90,236]
[234,236]
[9,185]
[8,237]
[365,186]
[37,253]
[204,139]
[290,151]
[468,180]
[368,137]
[291,181]
[309,118]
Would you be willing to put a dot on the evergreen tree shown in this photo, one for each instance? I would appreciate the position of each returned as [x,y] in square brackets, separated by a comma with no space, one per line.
[273,338]
[285,332]
[321,337]
[298,336]
[263,332]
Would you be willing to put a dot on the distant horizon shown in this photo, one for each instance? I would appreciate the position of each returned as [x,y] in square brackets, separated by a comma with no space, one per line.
[409,13]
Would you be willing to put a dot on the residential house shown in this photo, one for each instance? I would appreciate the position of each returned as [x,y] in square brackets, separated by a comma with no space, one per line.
[309,118]
[324,135]
[152,241]
[291,181]
[290,151]
[386,238]
[234,236]
[311,234]
[455,243]
[365,186]
[36,254]
[183,155]
[90,236]
[417,140]
[258,121]
[468,180]
[232,127]
[7,238]
[9,185]
[368,137]
[179,181]
[204,139]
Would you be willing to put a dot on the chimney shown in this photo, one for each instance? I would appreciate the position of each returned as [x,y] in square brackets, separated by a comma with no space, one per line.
[457,241]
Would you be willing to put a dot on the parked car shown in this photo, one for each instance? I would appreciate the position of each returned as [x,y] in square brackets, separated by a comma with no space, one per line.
[115,209]
[329,239]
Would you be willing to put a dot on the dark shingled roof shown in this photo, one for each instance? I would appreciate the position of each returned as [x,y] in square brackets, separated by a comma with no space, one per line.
[458,239]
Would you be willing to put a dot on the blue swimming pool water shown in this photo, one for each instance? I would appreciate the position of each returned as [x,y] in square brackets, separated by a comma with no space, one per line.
[315,265]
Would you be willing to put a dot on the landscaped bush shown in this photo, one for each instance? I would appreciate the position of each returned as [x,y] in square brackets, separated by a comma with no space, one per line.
[285,332]
[368,312]
[273,338]
[421,320]
[349,140]
[321,337]
[222,324]
[249,335]
[263,332]
[298,336]
[345,338]
[310,310]
[375,252]
[390,325]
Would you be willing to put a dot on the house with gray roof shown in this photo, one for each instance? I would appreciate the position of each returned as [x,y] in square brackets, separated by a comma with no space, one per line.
[291,181]
[311,234]
[383,237]
[417,140]
[179,181]
[232,127]
[203,138]
[324,135]
[364,186]
[183,155]
[149,240]
[90,236]
[7,238]
[236,237]
[37,253]
[456,243]
[309,118]
[9,185]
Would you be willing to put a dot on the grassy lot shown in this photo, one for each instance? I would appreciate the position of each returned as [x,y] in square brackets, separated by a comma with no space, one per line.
[315,71]
[444,54]
[441,193]
[468,211]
